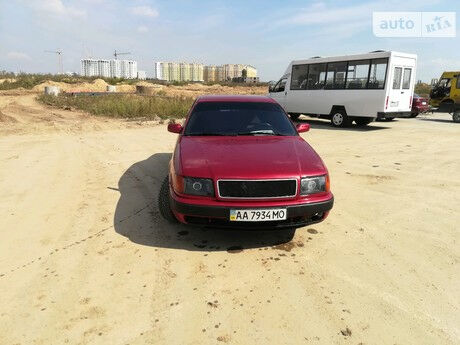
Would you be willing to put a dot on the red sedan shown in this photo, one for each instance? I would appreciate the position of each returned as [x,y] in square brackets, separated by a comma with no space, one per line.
[239,162]
[419,105]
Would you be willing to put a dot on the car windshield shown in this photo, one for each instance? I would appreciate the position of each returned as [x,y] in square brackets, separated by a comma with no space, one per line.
[238,118]
[416,95]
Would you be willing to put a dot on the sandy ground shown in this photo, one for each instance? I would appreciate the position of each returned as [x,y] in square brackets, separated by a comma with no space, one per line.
[86,258]
[190,90]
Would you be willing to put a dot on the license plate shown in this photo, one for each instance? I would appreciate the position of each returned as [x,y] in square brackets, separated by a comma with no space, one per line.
[258,215]
[423,103]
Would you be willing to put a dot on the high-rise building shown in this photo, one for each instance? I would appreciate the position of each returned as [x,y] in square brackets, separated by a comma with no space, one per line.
[158,70]
[126,69]
[228,72]
[178,71]
[103,68]
[196,72]
[173,71]
[209,73]
[89,68]
[220,73]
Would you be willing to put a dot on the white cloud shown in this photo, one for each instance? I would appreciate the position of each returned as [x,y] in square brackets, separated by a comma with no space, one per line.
[18,56]
[142,29]
[145,11]
[55,8]
[321,14]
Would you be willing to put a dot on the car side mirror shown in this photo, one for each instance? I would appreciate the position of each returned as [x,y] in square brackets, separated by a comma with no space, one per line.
[175,128]
[302,127]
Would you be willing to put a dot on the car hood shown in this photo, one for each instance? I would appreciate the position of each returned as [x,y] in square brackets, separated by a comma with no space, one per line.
[252,157]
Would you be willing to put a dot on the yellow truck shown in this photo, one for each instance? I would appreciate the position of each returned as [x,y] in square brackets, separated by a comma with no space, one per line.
[445,95]
[447,90]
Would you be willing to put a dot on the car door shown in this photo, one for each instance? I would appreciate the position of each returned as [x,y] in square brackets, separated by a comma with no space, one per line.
[400,91]
[455,89]
[279,92]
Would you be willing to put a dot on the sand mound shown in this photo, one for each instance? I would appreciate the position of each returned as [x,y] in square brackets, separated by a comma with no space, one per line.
[97,85]
[189,90]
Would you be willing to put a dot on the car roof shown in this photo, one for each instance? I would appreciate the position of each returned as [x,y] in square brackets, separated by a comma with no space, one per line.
[235,98]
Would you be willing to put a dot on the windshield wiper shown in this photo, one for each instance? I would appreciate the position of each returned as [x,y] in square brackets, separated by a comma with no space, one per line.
[261,132]
[210,134]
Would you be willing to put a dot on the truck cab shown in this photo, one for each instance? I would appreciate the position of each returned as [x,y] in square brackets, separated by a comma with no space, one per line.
[447,91]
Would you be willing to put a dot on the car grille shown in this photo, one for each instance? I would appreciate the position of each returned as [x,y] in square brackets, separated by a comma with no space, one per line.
[257,188]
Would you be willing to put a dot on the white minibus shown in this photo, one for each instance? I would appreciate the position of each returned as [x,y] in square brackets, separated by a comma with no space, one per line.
[349,88]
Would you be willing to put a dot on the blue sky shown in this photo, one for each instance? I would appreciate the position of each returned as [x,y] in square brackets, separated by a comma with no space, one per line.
[266,34]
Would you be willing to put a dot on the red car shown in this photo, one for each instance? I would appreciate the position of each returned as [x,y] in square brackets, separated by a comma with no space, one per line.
[240,162]
[419,105]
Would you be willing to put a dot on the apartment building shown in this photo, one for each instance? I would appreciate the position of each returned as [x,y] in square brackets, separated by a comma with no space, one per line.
[103,67]
[89,68]
[178,71]
[228,72]
[172,71]
[196,72]
[210,73]
[126,69]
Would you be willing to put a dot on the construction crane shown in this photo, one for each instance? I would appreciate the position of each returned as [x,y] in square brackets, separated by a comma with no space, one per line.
[59,56]
[116,54]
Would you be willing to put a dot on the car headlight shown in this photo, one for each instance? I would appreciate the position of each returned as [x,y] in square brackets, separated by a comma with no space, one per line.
[198,186]
[312,185]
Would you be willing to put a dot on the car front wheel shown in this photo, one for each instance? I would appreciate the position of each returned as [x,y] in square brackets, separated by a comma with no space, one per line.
[164,204]
[456,116]
[340,119]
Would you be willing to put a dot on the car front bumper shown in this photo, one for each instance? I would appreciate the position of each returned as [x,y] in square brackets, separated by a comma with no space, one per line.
[298,214]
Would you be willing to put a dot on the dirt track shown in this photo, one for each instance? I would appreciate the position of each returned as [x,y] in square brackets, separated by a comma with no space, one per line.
[86,258]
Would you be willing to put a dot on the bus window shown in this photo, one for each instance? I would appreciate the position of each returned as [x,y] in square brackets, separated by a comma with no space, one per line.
[406,78]
[378,74]
[397,78]
[335,76]
[299,77]
[357,74]
[316,76]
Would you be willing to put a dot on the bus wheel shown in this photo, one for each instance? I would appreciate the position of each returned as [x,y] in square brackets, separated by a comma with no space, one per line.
[340,119]
[363,121]
[456,116]
[294,117]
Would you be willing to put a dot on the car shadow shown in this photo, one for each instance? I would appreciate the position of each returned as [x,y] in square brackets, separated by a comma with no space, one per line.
[436,120]
[137,216]
[325,124]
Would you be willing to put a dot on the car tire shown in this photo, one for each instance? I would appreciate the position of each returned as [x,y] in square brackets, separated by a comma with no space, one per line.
[412,115]
[294,117]
[339,118]
[456,116]
[164,204]
[363,121]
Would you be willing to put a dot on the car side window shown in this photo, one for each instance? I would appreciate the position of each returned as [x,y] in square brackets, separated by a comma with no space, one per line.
[397,78]
[445,82]
[280,85]
[458,82]
[406,78]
